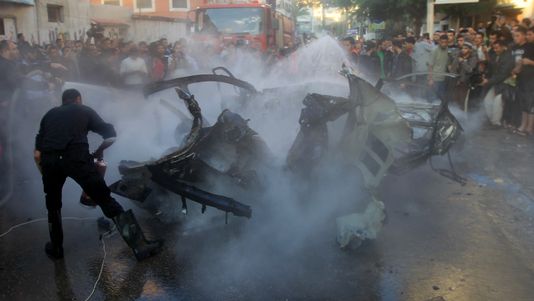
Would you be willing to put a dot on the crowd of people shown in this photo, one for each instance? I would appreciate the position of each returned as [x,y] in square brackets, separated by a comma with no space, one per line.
[104,61]
[107,62]
[119,63]
[493,66]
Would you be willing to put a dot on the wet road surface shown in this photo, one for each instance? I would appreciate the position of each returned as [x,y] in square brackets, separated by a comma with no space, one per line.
[442,241]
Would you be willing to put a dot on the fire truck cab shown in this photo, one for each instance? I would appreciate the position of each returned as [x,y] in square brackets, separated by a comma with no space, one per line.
[253,24]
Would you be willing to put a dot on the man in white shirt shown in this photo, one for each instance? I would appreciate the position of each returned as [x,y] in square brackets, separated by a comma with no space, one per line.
[133,70]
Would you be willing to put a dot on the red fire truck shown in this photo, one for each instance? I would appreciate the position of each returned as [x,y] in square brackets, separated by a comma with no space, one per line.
[252,23]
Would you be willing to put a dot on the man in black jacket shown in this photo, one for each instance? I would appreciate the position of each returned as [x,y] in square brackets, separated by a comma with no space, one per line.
[401,61]
[369,62]
[10,76]
[61,151]
[464,64]
[500,69]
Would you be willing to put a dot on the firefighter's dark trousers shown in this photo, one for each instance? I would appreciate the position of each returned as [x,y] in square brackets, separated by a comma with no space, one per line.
[78,165]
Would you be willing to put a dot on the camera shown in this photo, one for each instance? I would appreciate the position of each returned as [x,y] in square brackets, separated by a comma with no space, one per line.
[476,79]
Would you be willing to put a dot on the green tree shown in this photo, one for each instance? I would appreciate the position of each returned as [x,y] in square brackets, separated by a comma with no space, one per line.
[413,12]
[482,8]
[314,3]
[349,8]
[309,3]
[394,12]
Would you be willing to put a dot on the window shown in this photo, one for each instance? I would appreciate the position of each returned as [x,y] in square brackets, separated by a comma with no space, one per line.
[179,4]
[112,2]
[2,30]
[144,5]
[231,20]
[55,13]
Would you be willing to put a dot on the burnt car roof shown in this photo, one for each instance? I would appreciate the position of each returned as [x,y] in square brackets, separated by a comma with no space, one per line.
[184,82]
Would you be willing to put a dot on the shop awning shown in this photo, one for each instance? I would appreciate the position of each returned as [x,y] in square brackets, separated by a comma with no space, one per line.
[109,22]
[23,2]
[156,17]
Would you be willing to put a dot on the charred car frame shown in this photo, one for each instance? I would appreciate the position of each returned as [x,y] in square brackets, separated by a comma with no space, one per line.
[378,136]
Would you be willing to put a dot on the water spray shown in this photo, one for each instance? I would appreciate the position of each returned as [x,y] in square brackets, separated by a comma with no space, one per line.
[9,151]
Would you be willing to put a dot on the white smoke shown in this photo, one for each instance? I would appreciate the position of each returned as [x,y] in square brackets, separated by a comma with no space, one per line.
[290,216]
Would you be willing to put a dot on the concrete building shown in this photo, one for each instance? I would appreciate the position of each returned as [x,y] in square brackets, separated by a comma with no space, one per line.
[116,20]
[61,19]
[43,21]
[176,9]
[17,17]
[153,19]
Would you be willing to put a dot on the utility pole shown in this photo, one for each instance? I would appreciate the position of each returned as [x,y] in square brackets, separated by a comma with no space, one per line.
[430,16]
[323,14]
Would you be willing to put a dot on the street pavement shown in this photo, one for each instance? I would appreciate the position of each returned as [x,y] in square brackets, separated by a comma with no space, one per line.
[441,241]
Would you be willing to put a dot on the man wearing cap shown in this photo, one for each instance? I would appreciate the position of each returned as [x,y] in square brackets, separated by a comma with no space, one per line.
[463,64]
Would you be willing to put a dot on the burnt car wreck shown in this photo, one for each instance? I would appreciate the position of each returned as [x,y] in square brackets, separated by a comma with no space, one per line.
[175,171]
[375,136]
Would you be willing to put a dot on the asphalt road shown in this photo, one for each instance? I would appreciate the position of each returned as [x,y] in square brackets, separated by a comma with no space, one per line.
[442,241]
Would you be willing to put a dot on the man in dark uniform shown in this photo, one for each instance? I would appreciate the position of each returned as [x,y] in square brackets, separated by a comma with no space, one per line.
[524,56]
[61,151]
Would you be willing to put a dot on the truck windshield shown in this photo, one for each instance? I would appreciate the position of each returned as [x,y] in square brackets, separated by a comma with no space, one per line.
[231,20]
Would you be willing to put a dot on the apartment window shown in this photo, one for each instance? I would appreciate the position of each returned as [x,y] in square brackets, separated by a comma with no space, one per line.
[144,5]
[112,2]
[179,4]
[55,13]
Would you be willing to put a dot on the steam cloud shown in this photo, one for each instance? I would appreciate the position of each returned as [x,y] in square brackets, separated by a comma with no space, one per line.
[290,241]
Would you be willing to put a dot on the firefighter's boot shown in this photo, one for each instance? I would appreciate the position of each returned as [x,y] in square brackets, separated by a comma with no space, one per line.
[132,234]
[54,248]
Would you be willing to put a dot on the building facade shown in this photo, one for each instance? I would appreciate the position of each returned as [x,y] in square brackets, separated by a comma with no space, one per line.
[154,19]
[61,19]
[44,21]
[516,8]
[17,17]
[175,9]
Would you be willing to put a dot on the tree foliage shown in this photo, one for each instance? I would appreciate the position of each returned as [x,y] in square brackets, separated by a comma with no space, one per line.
[483,7]
[409,12]
[346,5]
[309,3]
[394,10]
[396,13]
